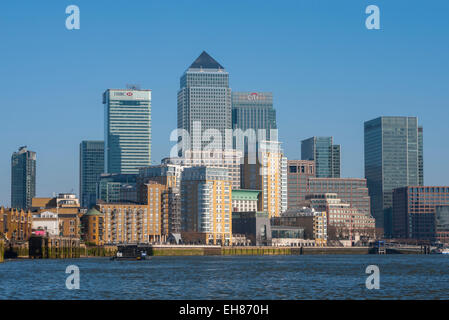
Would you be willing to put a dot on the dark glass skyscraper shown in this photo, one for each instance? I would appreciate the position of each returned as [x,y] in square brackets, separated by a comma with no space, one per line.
[253,110]
[393,159]
[325,154]
[91,167]
[23,178]
[204,102]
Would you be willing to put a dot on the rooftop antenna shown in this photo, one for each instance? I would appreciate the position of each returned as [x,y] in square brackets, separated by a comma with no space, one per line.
[133,86]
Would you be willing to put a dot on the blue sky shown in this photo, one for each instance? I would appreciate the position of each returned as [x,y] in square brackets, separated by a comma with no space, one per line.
[327,72]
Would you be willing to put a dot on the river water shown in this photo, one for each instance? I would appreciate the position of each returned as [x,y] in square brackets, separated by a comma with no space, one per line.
[230,277]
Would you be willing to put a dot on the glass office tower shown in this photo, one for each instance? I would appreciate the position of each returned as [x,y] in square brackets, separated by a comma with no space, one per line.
[91,167]
[23,178]
[393,159]
[204,103]
[127,130]
[325,154]
[253,110]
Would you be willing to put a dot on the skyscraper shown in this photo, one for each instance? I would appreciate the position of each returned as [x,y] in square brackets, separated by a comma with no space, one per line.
[23,178]
[269,175]
[325,154]
[393,159]
[91,167]
[127,130]
[204,103]
[253,110]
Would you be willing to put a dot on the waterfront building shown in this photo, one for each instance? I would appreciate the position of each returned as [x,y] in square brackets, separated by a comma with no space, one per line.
[206,207]
[23,178]
[168,175]
[393,159]
[47,222]
[442,224]
[116,188]
[204,103]
[353,191]
[298,174]
[114,223]
[91,166]
[254,110]
[268,174]
[254,225]
[325,154]
[244,200]
[66,207]
[312,223]
[415,212]
[127,143]
[15,224]
[343,221]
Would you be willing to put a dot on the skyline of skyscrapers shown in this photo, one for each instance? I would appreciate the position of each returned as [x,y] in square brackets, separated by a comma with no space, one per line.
[325,154]
[393,148]
[127,123]
[23,178]
[91,167]
[393,159]
[204,103]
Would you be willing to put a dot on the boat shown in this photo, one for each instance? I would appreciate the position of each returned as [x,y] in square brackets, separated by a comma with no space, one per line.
[130,252]
[441,251]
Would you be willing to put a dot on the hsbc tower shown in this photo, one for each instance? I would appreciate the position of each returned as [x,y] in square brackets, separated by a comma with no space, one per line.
[127,127]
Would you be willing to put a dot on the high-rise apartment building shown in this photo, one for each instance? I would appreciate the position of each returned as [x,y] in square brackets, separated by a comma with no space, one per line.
[127,130]
[393,159]
[229,159]
[268,174]
[23,178]
[91,167]
[169,176]
[204,104]
[254,110]
[325,154]
[206,204]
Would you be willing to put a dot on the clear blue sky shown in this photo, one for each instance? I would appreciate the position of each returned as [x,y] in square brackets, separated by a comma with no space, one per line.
[327,72]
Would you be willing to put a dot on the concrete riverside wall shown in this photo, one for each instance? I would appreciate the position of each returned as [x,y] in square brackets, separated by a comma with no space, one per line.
[98,251]
[226,251]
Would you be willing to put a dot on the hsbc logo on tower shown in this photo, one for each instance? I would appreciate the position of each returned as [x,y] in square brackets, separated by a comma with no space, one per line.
[129,94]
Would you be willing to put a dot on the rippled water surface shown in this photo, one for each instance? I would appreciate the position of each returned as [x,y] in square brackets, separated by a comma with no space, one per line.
[230,277]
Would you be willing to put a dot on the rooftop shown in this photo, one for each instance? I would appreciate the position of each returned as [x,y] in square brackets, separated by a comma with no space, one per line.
[205,61]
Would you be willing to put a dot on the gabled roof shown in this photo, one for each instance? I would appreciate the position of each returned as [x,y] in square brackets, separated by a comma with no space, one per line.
[205,61]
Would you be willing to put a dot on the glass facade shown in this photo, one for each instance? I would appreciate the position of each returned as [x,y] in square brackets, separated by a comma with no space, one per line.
[23,178]
[415,214]
[204,102]
[392,152]
[116,188]
[253,110]
[91,167]
[127,130]
[325,154]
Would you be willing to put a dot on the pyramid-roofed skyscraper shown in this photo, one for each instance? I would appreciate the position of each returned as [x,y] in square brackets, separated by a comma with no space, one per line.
[204,102]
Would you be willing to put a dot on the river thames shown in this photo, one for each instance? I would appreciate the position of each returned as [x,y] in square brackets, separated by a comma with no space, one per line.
[230,277]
